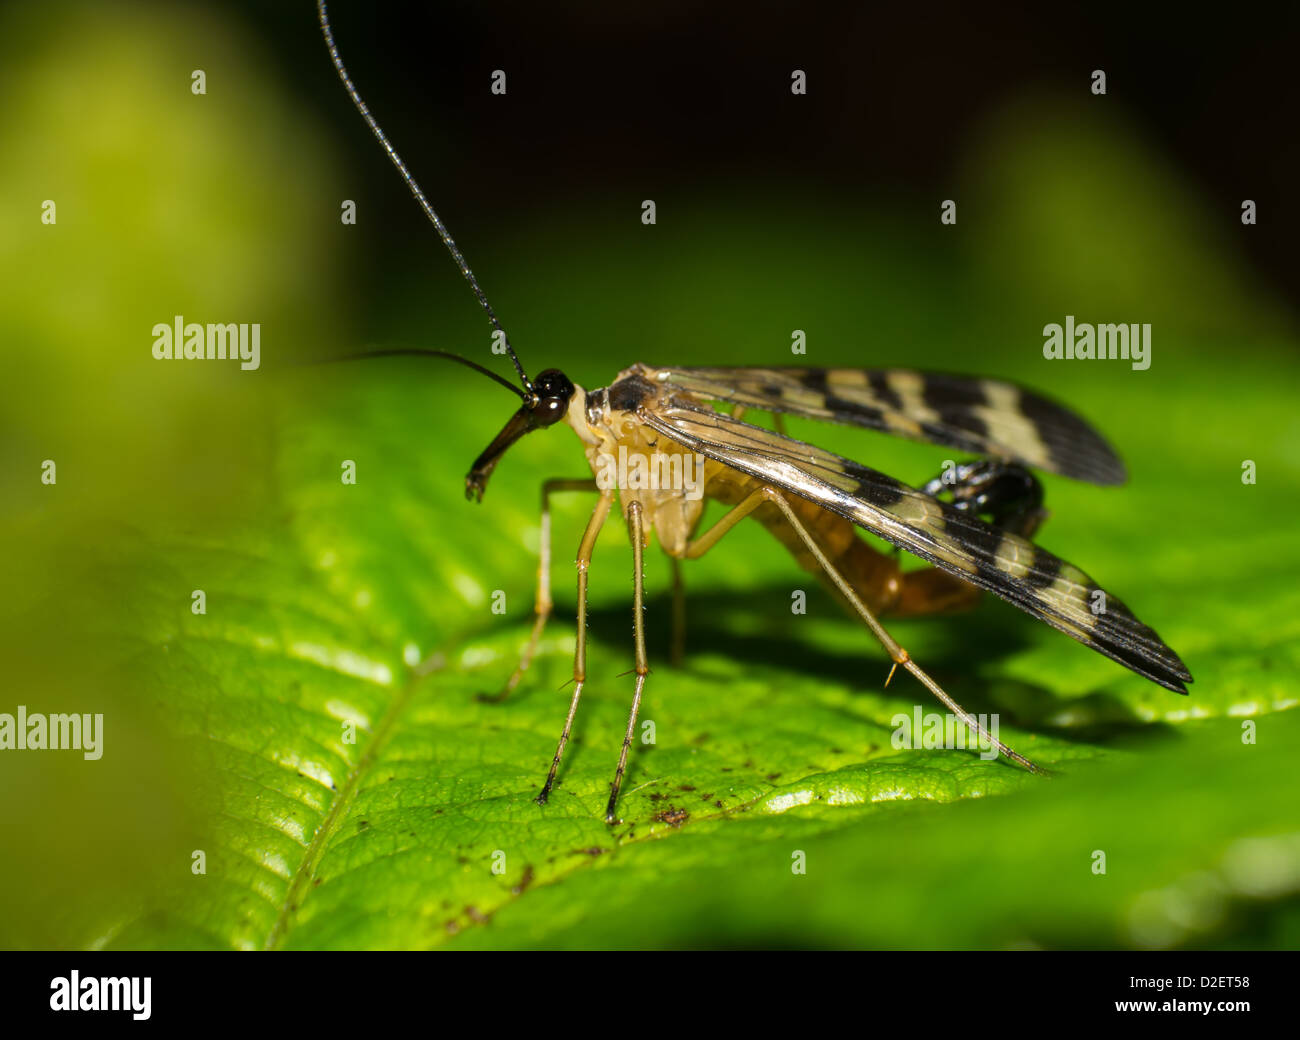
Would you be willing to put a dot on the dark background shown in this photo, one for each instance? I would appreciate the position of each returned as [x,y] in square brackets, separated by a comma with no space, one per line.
[651,100]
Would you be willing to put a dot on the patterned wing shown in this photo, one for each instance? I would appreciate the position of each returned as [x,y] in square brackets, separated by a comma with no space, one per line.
[1037,582]
[983,416]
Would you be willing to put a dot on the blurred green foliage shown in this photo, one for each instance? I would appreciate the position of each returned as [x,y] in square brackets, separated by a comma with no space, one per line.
[224,732]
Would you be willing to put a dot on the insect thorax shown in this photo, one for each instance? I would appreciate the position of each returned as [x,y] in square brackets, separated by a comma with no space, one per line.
[668,479]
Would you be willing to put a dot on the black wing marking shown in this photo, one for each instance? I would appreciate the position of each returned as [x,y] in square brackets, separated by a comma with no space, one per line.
[984,416]
[1037,582]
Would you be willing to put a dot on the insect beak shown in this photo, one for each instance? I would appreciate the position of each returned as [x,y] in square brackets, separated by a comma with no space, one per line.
[523,421]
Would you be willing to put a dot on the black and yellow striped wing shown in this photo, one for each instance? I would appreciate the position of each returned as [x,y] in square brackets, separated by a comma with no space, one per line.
[986,417]
[1005,564]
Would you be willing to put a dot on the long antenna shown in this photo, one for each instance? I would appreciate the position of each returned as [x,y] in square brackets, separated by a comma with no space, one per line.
[421,352]
[429,212]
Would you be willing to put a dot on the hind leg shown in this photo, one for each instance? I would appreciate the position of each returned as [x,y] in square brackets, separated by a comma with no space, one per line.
[763,495]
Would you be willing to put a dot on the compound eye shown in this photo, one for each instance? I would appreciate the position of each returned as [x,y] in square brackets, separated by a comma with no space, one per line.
[550,410]
[553,391]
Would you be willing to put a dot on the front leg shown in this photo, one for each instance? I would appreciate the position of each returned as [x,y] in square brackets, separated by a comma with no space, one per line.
[636,531]
[588,546]
[542,603]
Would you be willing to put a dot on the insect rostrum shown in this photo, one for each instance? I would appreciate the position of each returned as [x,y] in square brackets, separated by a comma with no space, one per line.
[813,500]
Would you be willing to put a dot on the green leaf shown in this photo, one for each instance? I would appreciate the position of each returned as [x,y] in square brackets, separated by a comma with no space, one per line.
[774,738]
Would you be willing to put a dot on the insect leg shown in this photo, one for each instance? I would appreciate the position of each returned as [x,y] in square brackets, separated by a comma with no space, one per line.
[900,656]
[679,614]
[585,550]
[697,547]
[636,532]
[778,420]
[542,604]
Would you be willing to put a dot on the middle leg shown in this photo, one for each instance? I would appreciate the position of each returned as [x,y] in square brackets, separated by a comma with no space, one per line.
[542,603]
[636,531]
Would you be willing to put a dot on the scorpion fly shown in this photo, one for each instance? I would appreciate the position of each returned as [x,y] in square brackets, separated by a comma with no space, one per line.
[972,526]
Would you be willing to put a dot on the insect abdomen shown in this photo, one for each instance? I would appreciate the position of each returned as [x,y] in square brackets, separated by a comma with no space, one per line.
[873,574]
